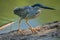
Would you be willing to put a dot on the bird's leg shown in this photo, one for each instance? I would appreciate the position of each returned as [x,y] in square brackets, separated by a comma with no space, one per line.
[19,30]
[30,27]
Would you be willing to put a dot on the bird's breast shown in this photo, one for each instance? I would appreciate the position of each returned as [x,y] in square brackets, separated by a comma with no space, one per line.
[32,13]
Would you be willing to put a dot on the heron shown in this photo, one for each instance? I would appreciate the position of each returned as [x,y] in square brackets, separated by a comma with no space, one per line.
[29,12]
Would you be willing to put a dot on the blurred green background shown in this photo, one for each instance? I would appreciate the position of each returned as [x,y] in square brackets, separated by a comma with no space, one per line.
[7,6]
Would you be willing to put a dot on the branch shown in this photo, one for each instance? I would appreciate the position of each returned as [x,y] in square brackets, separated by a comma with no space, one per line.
[51,29]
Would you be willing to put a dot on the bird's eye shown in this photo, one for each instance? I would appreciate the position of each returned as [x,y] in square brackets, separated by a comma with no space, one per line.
[36,13]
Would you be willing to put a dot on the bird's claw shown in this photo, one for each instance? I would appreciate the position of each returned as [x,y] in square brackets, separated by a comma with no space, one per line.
[33,30]
[20,32]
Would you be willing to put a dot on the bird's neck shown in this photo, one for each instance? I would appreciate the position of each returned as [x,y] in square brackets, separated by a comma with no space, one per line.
[37,8]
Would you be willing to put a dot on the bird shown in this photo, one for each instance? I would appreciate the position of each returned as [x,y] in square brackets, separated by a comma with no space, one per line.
[29,12]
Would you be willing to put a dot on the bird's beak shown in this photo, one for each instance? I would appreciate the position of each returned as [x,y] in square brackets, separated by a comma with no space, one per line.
[42,6]
[47,7]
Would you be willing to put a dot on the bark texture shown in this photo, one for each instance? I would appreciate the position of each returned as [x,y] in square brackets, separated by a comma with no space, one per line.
[51,29]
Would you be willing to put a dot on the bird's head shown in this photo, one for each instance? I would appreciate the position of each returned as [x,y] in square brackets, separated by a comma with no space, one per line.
[39,5]
[42,6]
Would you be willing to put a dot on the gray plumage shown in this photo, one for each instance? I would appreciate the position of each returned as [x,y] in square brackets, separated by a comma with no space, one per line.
[27,12]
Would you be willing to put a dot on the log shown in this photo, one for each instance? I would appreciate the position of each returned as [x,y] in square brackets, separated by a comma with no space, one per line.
[51,29]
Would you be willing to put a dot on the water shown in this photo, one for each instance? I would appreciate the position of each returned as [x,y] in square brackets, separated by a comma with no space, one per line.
[23,25]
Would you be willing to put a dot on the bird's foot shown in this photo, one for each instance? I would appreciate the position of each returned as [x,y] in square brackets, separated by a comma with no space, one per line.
[20,32]
[34,31]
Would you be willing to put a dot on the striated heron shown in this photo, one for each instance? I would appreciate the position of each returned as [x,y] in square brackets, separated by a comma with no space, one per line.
[29,12]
